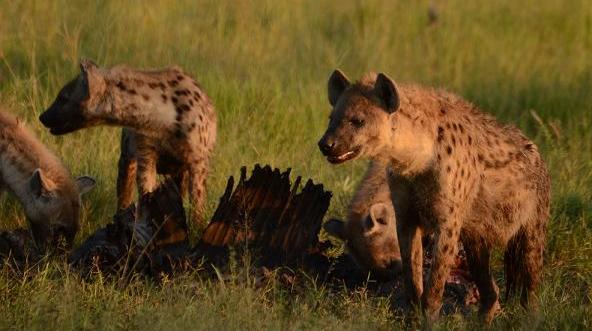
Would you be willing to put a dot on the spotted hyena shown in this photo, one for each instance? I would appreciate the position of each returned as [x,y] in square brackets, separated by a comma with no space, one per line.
[370,230]
[43,185]
[453,171]
[169,124]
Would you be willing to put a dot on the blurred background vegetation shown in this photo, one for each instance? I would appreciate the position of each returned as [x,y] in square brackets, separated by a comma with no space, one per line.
[265,65]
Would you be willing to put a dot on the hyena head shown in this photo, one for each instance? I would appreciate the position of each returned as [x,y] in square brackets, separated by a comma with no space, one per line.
[77,102]
[359,124]
[371,240]
[52,209]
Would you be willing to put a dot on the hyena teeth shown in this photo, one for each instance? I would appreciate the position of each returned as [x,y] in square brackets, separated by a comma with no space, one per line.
[346,155]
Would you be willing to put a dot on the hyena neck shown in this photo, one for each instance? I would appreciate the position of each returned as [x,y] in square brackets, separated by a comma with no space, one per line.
[21,154]
[138,100]
[411,148]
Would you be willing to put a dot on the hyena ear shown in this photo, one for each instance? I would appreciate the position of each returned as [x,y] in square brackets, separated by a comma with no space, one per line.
[380,213]
[92,78]
[338,82]
[85,184]
[386,90]
[335,228]
[40,185]
[87,65]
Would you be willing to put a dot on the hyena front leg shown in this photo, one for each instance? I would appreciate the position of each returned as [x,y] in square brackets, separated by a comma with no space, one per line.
[444,252]
[198,172]
[126,176]
[147,157]
[409,234]
[411,249]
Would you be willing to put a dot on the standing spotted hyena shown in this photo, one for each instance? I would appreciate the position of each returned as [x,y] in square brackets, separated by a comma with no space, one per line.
[49,195]
[370,229]
[169,124]
[453,171]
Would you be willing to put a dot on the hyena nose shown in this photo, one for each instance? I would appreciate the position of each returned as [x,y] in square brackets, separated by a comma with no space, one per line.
[44,119]
[326,145]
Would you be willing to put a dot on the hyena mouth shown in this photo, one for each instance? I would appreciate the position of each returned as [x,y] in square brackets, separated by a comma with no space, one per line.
[64,128]
[60,130]
[344,157]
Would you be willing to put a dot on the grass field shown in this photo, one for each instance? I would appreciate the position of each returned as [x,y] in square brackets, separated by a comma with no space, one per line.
[265,65]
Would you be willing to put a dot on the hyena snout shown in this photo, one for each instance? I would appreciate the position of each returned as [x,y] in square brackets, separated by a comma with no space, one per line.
[327,145]
[46,119]
[337,150]
[61,121]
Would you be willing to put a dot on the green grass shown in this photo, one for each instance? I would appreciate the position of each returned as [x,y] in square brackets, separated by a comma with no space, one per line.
[265,65]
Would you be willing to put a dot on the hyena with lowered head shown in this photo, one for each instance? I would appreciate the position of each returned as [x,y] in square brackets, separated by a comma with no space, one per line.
[453,171]
[370,229]
[45,188]
[169,124]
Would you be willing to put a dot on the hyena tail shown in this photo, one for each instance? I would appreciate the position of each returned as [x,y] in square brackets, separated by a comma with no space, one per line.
[523,261]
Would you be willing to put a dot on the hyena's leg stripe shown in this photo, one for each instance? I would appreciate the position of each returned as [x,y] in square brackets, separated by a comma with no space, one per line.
[197,182]
[126,177]
[411,249]
[478,260]
[147,158]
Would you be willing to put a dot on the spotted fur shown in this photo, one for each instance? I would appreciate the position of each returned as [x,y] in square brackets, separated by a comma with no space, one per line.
[453,171]
[169,124]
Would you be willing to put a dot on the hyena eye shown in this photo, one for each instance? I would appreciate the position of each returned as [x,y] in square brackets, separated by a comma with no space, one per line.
[356,122]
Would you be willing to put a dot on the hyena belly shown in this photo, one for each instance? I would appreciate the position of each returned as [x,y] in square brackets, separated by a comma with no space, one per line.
[168,164]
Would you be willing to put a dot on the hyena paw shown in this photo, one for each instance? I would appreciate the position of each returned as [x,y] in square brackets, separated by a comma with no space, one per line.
[488,313]
[431,308]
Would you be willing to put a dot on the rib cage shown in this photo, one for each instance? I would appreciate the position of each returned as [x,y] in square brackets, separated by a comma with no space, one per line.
[268,213]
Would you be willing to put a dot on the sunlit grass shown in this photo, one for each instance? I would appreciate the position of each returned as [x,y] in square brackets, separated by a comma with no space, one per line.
[265,65]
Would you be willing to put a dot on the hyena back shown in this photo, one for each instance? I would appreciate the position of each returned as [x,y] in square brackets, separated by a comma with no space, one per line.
[453,171]
[370,229]
[169,124]
[43,185]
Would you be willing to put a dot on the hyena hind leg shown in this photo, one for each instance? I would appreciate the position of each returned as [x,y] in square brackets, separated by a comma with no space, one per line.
[198,172]
[523,261]
[478,260]
[126,176]
[182,182]
[147,156]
